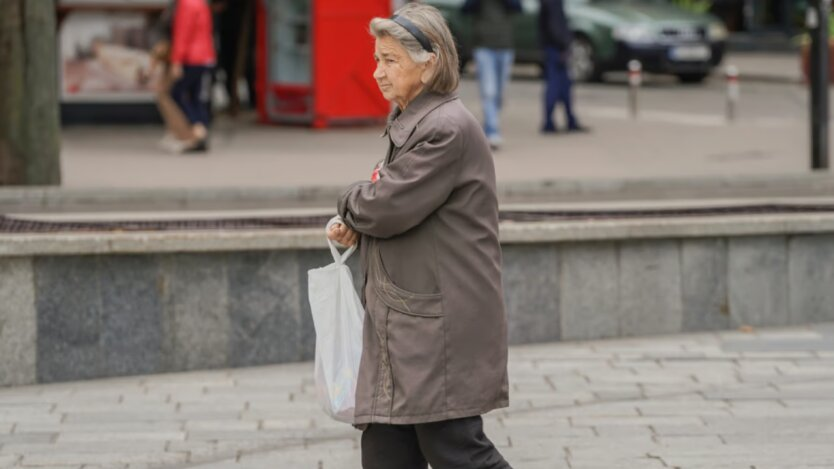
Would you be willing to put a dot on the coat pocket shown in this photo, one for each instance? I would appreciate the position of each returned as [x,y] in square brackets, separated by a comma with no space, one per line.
[414,326]
[406,302]
[400,299]
[417,354]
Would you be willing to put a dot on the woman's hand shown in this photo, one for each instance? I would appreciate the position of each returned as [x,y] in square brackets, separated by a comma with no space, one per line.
[342,235]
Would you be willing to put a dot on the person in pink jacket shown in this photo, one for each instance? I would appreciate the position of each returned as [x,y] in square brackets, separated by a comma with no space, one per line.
[192,59]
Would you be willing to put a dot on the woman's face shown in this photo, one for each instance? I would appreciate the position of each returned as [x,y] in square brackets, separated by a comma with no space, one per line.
[399,78]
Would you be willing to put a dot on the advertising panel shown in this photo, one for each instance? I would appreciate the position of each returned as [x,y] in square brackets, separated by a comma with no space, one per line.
[104,50]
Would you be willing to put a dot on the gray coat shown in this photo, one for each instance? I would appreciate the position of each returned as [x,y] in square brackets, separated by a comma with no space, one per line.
[435,336]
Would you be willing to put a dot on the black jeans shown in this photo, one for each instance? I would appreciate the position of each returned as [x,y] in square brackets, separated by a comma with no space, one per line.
[558,88]
[192,93]
[451,444]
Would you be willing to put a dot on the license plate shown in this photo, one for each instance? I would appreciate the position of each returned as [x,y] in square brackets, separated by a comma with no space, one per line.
[699,53]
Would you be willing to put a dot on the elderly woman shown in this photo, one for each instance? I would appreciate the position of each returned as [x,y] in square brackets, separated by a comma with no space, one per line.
[435,335]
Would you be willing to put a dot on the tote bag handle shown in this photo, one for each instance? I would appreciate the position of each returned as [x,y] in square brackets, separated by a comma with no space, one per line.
[338,258]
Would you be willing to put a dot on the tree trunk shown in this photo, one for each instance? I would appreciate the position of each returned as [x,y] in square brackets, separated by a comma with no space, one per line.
[11,92]
[42,116]
[29,114]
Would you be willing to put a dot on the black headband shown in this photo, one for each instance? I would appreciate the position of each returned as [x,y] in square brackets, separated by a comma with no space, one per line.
[414,30]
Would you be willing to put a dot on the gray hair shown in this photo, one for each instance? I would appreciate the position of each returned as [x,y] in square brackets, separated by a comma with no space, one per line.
[432,24]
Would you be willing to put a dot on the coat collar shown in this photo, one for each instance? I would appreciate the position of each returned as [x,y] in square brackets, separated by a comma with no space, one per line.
[402,123]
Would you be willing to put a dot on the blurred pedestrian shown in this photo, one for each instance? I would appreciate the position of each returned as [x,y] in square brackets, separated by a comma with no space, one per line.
[235,27]
[178,133]
[434,354]
[556,38]
[492,40]
[192,60]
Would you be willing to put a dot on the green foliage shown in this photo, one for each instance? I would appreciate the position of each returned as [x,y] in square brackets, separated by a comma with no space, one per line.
[831,25]
[698,6]
[805,38]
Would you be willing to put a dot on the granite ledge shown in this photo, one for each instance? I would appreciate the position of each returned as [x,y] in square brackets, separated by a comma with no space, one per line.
[13,245]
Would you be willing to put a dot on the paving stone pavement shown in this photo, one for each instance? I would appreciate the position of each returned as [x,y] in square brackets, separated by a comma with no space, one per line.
[761,400]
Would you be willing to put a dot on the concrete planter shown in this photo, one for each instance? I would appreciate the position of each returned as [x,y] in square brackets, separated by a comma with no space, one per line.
[113,304]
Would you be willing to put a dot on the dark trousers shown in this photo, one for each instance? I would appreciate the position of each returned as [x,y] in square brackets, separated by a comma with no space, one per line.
[451,444]
[558,88]
[192,93]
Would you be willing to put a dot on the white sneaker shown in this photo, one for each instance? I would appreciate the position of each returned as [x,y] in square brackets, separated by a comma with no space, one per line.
[165,141]
[171,144]
[495,142]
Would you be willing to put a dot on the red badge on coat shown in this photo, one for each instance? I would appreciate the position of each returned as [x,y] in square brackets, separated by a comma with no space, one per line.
[375,174]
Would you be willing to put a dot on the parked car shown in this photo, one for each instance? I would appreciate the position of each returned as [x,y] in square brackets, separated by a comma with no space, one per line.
[610,33]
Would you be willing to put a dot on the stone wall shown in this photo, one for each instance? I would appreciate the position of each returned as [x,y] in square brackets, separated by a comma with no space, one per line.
[70,317]
[577,291]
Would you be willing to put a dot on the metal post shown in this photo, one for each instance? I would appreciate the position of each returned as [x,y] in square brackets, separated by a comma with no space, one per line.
[635,79]
[733,92]
[818,28]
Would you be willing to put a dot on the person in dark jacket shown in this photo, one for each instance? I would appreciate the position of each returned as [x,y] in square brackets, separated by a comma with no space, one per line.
[235,27]
[556,38]
[494,55]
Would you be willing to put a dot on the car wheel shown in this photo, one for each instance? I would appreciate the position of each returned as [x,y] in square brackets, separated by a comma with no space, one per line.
[693,78]
[582,64]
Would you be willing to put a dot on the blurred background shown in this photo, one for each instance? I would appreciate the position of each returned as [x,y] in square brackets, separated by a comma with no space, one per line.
[293,102]
[695,197]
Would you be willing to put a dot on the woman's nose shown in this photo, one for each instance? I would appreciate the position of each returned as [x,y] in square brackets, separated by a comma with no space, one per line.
[378,71]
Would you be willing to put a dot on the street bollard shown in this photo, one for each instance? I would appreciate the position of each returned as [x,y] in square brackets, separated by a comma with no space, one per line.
[635,79]
[733,92]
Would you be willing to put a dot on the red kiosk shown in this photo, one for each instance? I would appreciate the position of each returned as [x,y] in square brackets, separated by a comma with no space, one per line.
[315,62]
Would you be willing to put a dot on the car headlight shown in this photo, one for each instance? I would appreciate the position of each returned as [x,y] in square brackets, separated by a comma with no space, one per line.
[717,32]
[634,34]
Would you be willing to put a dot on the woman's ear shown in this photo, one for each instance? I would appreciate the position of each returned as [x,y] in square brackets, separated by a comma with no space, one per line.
[428,70]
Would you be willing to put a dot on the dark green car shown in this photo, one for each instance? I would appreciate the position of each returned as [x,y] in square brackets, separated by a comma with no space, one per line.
[610,33]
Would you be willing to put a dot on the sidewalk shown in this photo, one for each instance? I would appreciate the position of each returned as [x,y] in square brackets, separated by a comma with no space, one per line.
[681,132]
[735,400]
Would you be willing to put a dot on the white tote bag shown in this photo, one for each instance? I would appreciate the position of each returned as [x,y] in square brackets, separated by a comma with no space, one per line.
[337,317]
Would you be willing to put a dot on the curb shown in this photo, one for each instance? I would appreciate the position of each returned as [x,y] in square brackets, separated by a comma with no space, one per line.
[57,199]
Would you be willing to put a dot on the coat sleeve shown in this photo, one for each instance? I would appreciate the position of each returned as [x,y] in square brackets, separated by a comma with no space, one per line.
[409,189]
[183,26]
